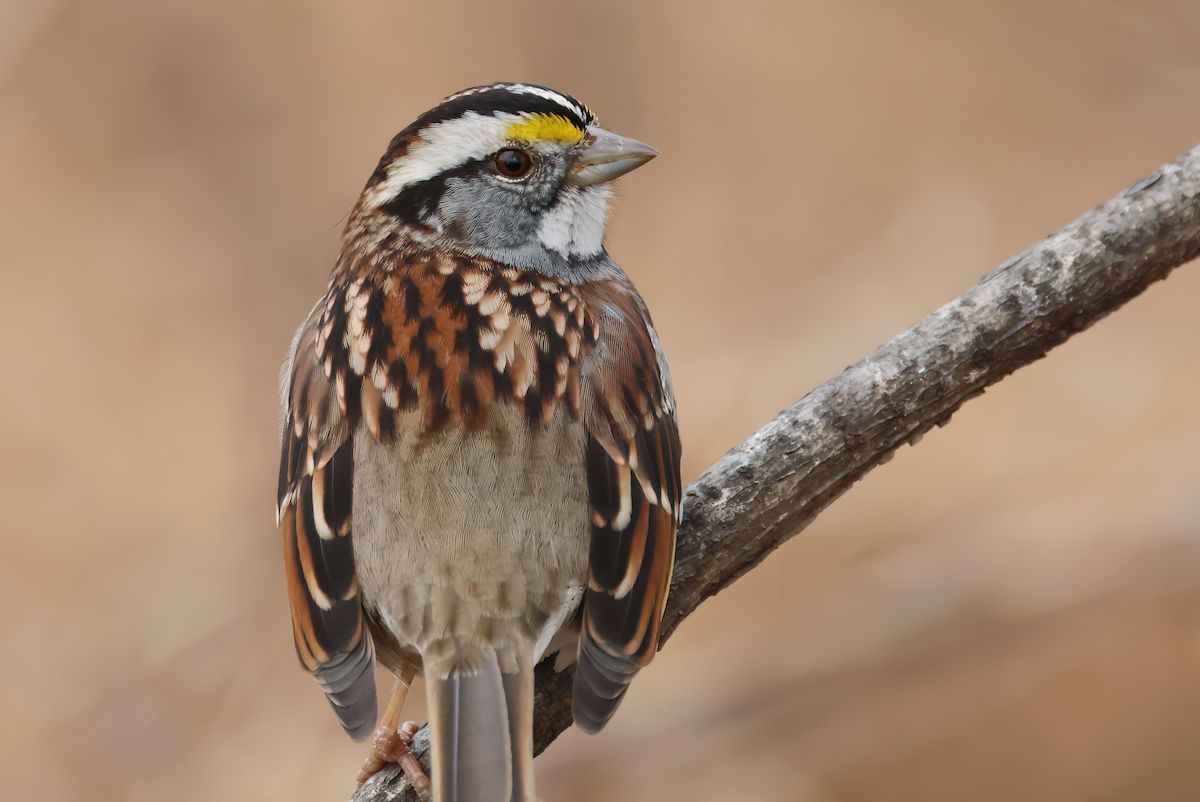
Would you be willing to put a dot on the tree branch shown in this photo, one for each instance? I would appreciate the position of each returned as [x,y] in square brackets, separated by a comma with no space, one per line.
[773,485]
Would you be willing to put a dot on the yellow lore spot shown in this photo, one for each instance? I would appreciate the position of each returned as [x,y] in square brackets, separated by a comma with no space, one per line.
[544,128]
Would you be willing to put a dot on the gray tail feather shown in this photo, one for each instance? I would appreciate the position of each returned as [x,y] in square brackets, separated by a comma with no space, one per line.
[601,680]
[518,693]
[349,683]
[482,736]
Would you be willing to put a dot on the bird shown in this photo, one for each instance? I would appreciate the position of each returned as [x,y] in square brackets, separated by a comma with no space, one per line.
[480,449]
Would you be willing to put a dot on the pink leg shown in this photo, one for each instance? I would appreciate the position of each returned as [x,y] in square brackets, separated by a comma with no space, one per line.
[391,742]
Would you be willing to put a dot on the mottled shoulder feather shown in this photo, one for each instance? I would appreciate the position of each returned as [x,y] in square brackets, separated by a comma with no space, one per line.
[445,336]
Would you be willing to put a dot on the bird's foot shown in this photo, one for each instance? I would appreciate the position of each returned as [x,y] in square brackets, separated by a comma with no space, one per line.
[391,745]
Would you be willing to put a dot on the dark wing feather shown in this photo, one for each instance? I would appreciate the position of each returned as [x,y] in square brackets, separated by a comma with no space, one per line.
[316,483]
[634,490]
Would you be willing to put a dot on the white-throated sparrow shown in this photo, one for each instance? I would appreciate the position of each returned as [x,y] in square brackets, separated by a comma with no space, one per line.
[480,455]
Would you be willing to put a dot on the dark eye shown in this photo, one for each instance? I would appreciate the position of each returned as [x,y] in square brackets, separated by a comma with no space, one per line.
[513,163]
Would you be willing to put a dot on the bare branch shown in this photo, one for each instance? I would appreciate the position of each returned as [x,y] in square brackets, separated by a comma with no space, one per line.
[769,488]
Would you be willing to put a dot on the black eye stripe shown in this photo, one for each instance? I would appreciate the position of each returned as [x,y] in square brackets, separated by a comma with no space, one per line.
[416,202]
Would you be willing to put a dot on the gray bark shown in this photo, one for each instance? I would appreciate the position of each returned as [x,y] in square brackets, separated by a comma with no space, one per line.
[773,485]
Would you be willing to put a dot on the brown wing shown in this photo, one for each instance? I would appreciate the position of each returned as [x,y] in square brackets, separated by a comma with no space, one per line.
[634,491]
[316,483]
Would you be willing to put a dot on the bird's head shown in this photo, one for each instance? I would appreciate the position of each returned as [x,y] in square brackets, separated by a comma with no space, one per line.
[513,172]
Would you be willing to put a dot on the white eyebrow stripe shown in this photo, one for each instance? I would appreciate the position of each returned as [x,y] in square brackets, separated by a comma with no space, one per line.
[441,147]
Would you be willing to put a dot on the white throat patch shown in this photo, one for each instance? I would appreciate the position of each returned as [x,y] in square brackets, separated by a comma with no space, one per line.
[575,226]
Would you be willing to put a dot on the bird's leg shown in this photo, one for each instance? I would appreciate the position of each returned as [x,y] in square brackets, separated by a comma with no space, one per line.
[391,741]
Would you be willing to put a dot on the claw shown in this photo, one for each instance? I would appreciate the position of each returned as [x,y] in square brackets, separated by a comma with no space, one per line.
[391,742]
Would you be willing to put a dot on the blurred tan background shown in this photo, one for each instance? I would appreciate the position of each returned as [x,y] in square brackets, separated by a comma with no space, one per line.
[1009,611]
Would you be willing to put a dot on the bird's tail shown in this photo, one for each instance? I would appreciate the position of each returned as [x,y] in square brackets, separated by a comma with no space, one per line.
[481,732]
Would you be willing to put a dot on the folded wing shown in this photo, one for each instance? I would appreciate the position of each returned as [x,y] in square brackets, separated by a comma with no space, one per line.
[316,483]
[634,491]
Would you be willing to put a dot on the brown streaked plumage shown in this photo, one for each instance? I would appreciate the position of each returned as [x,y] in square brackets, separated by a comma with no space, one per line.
[479,444]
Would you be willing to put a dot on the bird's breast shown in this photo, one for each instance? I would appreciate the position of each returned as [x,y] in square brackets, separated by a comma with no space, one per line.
[477,538]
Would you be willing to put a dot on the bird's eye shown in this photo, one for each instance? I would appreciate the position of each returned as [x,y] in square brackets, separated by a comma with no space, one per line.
[513,163]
